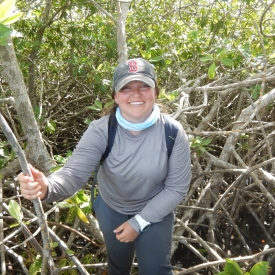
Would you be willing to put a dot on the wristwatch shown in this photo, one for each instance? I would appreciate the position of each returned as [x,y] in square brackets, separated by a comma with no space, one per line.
[143,225]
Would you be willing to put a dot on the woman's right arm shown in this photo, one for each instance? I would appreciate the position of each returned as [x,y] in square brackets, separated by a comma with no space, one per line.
[76,172]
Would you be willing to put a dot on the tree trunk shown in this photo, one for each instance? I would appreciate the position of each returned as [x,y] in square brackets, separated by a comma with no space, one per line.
[122,10]
[36,151]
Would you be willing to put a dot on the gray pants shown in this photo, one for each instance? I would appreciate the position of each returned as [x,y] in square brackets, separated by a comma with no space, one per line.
[153,247]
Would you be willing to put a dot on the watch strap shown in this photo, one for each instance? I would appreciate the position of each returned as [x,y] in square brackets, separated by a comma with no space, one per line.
[143,224]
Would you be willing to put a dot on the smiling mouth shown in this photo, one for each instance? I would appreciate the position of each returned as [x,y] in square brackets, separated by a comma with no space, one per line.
[136,103]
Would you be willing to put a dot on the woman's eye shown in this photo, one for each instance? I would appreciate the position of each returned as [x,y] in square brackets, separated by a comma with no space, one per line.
[126,88]
[144,86]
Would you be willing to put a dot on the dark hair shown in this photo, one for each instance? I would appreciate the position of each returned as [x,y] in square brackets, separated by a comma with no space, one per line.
[112,109]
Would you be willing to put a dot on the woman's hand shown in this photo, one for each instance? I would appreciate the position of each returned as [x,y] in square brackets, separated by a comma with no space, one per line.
[35,186]
[126,233]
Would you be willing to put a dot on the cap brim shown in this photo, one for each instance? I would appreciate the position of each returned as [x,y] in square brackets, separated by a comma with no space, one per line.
[130,78]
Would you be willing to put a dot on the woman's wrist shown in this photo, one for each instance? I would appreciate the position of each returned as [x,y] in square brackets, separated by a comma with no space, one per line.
[44,190]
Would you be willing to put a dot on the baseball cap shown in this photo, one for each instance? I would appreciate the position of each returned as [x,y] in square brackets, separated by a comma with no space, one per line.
[134,69]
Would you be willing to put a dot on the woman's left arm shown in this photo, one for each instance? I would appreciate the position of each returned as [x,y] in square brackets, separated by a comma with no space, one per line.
[176,184]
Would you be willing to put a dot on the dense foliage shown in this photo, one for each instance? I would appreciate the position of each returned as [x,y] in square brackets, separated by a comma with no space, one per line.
[215,65]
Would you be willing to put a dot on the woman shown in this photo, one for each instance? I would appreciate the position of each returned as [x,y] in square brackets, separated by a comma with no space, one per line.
[139,187]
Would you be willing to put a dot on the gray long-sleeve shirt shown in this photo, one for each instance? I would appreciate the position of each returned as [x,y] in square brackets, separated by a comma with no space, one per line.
[136,177]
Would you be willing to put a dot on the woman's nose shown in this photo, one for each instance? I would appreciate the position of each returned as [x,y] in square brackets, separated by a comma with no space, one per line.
[136,91]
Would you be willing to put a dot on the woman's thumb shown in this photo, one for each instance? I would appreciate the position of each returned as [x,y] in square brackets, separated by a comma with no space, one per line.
[118,230]
[34,171]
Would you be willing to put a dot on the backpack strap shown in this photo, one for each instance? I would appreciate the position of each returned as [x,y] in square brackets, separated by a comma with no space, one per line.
[171,131]
[112,126]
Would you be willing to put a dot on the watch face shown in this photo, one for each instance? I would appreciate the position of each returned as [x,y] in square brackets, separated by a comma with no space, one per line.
[146,227]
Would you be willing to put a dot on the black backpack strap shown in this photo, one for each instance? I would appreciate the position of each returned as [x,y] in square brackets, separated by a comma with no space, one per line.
[171,131]
[112,126]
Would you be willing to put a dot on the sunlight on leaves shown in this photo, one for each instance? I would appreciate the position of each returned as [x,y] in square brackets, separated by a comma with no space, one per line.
[6,9]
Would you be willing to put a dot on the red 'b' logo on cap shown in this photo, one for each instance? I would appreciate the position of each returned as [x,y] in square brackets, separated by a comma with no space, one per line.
[133,66]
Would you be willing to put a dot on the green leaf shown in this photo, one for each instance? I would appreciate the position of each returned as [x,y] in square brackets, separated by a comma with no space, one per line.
[54,244]
[206,58]
[2,162]
[156,59]
[212,71]
[69,153]
[5,33]
[82,196]
[198,139]
[193,34]
[81,215]
[15,210]
[103,88]
[227,62]
[4,152]
[98,104]
[260,268]
[87,121]
[99,67]
[70,252]
[200,145]
[232,267]
[146,54]
[220,52]
[94,108]
[14,225]
[6,9]
[50,127]
[109,103]
[60,159]
[12,18]
[206,141]
[35,267]
[196,142]
[256,92]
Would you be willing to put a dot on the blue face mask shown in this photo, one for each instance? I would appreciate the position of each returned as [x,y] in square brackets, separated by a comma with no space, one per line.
[138,126]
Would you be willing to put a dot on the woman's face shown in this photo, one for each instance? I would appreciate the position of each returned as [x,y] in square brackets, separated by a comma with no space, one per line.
[136,100]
